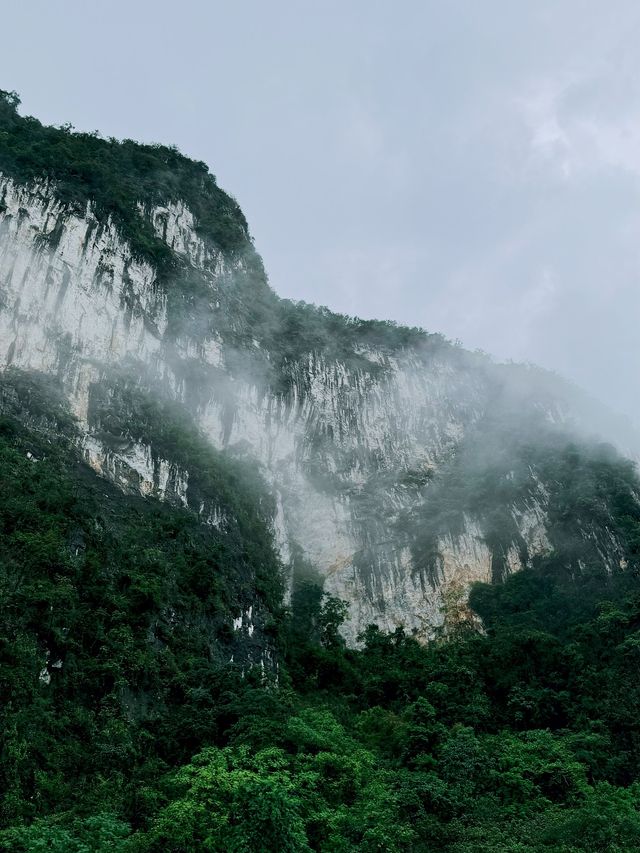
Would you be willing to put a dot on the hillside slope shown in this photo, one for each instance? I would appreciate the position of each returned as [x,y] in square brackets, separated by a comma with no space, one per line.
[402,468]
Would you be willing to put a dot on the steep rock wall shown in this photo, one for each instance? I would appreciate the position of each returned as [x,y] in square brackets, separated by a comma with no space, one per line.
[348,449]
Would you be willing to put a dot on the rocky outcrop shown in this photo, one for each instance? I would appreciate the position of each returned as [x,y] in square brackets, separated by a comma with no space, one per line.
[349,447]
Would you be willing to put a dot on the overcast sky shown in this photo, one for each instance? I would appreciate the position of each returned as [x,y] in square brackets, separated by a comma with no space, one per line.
[472,167]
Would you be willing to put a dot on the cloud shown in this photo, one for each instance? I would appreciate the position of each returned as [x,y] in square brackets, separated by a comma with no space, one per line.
[573,128]
[548,140]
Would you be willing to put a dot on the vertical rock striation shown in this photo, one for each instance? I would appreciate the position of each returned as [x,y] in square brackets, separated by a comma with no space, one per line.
[357,438]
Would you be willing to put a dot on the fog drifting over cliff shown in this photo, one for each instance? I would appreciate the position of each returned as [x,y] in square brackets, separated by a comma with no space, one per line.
[473,168]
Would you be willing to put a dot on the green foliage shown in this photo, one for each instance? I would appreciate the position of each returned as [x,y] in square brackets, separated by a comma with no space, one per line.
[115,630]
[607,819]
[100,834]
[228,800]
[117,176]
[115,633]
[115,626]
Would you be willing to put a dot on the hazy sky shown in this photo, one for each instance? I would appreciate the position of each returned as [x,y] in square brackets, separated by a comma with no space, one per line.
[471,167]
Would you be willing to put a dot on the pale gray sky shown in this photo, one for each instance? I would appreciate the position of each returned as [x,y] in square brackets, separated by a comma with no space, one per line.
[470,166]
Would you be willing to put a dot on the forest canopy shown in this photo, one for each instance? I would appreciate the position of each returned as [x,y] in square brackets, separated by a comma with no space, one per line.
[123,730]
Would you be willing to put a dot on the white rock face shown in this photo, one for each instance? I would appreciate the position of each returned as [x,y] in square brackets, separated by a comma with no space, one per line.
[75,302]
[134,468]
[72,294]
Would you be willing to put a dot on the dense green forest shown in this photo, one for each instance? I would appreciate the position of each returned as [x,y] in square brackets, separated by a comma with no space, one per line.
[128,725]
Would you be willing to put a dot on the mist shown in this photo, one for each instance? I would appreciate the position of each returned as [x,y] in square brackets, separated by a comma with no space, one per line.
[397,463]
[471,169]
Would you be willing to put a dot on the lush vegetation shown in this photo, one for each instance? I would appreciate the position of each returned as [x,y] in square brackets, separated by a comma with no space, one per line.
[115,177]
[116,611]
[126,728]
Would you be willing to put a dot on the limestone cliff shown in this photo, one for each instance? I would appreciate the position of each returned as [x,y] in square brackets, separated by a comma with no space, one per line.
[401,466]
